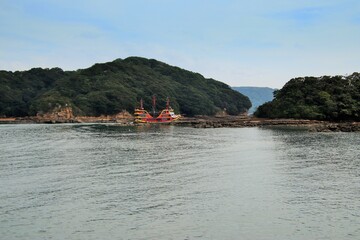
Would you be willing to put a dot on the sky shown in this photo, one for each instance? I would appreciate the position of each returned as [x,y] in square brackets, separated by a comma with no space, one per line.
[242,43]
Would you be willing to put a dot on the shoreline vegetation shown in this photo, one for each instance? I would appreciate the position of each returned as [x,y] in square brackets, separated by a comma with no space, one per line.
[327,98]
[108,88]
[126,119]
[107,92]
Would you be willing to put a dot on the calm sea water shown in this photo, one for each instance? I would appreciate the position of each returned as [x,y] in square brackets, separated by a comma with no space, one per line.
[165,182]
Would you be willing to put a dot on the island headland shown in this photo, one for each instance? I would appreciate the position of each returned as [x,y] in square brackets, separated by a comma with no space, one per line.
[109,93]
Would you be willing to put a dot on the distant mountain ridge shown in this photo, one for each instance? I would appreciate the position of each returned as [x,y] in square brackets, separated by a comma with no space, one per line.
[257,95]
[109,88]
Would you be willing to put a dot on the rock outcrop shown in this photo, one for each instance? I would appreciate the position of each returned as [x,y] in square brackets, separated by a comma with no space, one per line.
[66,115]
[122,117]
[57,115]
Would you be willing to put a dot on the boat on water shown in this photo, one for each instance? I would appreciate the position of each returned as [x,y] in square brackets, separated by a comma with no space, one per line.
[166,115]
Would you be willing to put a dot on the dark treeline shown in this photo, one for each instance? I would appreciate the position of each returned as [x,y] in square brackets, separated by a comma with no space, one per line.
[111,87]
[324,98]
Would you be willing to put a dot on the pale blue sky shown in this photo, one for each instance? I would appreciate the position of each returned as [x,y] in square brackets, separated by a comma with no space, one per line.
[242,43]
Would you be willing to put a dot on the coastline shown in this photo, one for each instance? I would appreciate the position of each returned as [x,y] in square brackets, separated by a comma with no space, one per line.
[201,122]
[238,122]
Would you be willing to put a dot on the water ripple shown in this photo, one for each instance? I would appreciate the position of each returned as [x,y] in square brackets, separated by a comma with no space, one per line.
[95,181]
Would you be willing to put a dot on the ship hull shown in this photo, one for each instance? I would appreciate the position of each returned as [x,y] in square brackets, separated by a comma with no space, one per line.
[166,116]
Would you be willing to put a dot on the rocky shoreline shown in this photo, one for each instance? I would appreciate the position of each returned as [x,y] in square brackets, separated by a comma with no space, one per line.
[127,119]
[237,122]
[66,115]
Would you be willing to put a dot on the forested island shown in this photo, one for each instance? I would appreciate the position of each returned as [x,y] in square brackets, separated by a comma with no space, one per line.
[328,98]
[109,92]
[112,87]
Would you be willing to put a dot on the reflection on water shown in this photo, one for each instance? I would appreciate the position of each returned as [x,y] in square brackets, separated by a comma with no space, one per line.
[98,181]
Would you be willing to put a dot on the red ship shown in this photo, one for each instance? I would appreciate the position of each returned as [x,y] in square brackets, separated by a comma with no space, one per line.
[166,115]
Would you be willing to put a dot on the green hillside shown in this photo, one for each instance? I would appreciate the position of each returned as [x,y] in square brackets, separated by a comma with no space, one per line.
[109,88]
[323,98]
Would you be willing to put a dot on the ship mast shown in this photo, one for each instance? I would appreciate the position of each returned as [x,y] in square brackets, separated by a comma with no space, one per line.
[141,104]
[167,103]
[154,104]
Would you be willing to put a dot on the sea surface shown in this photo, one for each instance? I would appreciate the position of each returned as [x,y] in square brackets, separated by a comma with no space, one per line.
[94,181]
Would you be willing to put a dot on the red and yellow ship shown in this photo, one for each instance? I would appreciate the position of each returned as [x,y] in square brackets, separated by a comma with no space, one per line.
[167,115]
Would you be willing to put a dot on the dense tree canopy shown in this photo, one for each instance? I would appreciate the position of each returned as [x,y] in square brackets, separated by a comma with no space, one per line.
[111,87]
[324,98]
